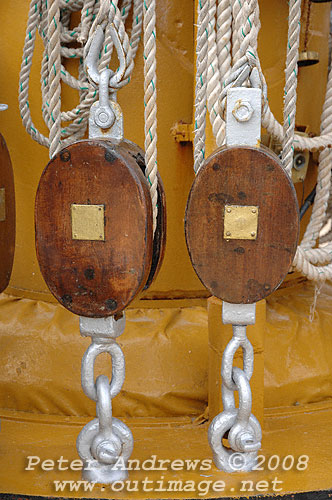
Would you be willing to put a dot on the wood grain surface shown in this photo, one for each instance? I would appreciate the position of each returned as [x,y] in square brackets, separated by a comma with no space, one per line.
[7,226]
[159,238]
[242,271]
[94,278]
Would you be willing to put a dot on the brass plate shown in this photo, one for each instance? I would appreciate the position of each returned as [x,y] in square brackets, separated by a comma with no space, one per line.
[240,222]
[87,222]
[2,204]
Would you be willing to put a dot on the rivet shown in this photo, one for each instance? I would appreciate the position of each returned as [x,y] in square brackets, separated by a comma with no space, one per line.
[253,233]
[229,210]
[254,210]
[228,233]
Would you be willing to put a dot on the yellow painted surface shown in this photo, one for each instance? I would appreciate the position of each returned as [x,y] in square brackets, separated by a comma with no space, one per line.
[167,356]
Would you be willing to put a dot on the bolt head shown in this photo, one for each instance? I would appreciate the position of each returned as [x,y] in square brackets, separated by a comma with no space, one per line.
[107,451]
[242,111]
[104,117]
[245,438]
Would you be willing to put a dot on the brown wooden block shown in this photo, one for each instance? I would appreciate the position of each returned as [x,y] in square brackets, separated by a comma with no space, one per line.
[7,216]
[94,277]
[250,267]
[159,239]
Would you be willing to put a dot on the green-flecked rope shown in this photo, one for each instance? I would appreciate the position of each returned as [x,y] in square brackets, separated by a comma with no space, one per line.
[201,82]
[52,74]
[150,101]
[213,89]
[291,84]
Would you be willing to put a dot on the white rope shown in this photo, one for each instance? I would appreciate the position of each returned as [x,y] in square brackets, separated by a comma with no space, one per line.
[54,67]
[224,37]
[213,79]
[238,25]
[125,9]
[201,84]
[291,72]
[150,102]
[52,20]
[307,256]
[236,29]
[86,19]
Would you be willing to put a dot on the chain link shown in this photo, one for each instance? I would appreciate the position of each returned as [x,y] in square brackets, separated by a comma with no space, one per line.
[104,444]
[244,431]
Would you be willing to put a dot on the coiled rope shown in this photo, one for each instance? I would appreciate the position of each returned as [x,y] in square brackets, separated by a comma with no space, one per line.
[232,41]
[52,20]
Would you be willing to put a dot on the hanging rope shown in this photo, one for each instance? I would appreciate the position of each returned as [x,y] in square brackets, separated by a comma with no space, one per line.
[308,258]
[233,42]
[150,102]
[52,20]
[201,84]
[213,88]
[291,72]
[54,67]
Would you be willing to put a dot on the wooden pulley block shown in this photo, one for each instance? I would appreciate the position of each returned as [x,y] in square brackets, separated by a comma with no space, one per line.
[7,216]
[94,230]
[159,238]
[242,223]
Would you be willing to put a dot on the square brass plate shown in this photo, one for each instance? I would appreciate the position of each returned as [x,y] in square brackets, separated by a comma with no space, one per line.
[2,204]
[87,222]
[240,222]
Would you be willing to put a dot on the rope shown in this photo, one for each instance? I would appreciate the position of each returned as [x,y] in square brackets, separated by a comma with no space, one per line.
[150,102]
[224,37]
[232,41]
[291,72]
[54,66]
[213,79]
[52,20]
[307,257]
[201,84]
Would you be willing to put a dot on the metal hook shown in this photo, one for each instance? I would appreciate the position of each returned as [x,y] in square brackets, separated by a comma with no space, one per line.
[91,61]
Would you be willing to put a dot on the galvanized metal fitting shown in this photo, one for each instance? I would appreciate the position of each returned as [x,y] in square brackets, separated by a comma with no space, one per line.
[242,110]
[105,440]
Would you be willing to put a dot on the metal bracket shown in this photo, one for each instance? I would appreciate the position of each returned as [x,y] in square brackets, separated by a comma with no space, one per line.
[102,327]
[243,116]
[106,119]
[104,440]
[238,314]
[115,132]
